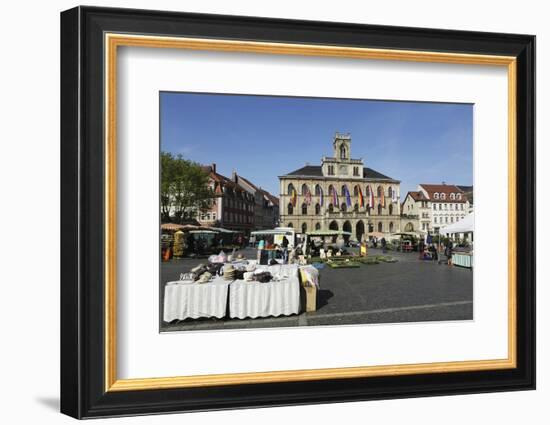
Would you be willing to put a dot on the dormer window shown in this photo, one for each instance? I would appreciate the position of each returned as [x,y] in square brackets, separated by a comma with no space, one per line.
[436,195]
[452,196]
[458,196]
[442,196]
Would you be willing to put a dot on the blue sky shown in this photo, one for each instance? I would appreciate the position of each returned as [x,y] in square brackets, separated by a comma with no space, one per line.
[262,137]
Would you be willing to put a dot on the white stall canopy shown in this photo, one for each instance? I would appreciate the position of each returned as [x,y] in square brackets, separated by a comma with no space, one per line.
[466,225]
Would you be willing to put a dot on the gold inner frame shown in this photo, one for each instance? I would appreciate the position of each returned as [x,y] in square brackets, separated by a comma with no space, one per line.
[113,41]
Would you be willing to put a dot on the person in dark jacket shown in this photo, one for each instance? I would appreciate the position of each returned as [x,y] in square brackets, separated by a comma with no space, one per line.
[449,253]
[284,244]
[383,243]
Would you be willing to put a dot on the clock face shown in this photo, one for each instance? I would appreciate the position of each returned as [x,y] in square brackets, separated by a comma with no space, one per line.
[343,169]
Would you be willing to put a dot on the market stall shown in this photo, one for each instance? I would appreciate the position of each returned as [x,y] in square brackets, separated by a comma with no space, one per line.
[279,296]
[322,250]
[190,299]
[275,236]
[462,257]
[405,241]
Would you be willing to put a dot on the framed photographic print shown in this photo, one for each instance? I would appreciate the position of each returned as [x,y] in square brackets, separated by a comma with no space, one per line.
[261,212]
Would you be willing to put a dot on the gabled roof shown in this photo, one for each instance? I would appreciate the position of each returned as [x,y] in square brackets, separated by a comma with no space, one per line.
[417,196]
[274,200]
[248,182]
[369,173]
[447,189]
[317,171]
[308,170]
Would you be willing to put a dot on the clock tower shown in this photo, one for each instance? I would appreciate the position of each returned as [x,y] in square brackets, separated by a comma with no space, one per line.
[342,146]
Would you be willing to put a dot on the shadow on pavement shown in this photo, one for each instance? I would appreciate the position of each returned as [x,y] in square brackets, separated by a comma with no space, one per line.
[323,295]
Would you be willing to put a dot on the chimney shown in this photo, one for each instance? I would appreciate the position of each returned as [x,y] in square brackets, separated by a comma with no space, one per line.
[213,167]
[234,176]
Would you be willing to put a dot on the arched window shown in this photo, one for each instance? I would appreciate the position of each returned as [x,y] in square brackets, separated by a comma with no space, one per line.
[452,196]
[304,189]
[391,226]
[367,191]
[380,227]
[330,208]
[436,195]
[379,209]
[343,207]
[458,196]
[304,209]
[390,192]
[290,225]
[442,196]
[356,190]
[290,209]
[317,190]
[317,209]
[330,190]
[390,209]
[356,207]
[304,227]
[342,152]
[290,189]
[318,226]
[343,192]
[380,191]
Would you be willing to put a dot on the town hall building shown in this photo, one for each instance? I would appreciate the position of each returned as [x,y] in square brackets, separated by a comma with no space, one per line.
[340,194]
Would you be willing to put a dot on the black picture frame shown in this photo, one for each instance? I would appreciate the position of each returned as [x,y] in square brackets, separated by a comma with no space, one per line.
[83,392]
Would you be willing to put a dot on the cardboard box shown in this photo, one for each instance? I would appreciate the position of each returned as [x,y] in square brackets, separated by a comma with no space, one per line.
[311,298]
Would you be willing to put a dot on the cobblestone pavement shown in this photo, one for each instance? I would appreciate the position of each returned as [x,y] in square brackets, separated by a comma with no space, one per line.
[407,291]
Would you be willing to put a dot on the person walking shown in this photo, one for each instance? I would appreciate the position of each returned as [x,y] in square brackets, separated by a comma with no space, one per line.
[433,251]
[383,243]
[449,253]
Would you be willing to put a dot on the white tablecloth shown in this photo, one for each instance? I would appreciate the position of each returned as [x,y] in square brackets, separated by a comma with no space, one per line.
[193,300]
[256,299]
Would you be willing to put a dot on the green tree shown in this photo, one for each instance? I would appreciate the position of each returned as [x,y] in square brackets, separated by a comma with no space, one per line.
[184,188]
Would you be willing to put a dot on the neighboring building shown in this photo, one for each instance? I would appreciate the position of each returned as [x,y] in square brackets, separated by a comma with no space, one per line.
[469,193]
[270,211]
[266,208]
[233,206]
[416,213]
[239,204]
[308,195]
[447,204]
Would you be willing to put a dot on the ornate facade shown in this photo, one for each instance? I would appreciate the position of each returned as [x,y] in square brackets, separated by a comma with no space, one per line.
[340,194]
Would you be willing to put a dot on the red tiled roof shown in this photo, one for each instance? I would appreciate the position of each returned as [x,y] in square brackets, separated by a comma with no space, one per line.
[417,196]
[447,189]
